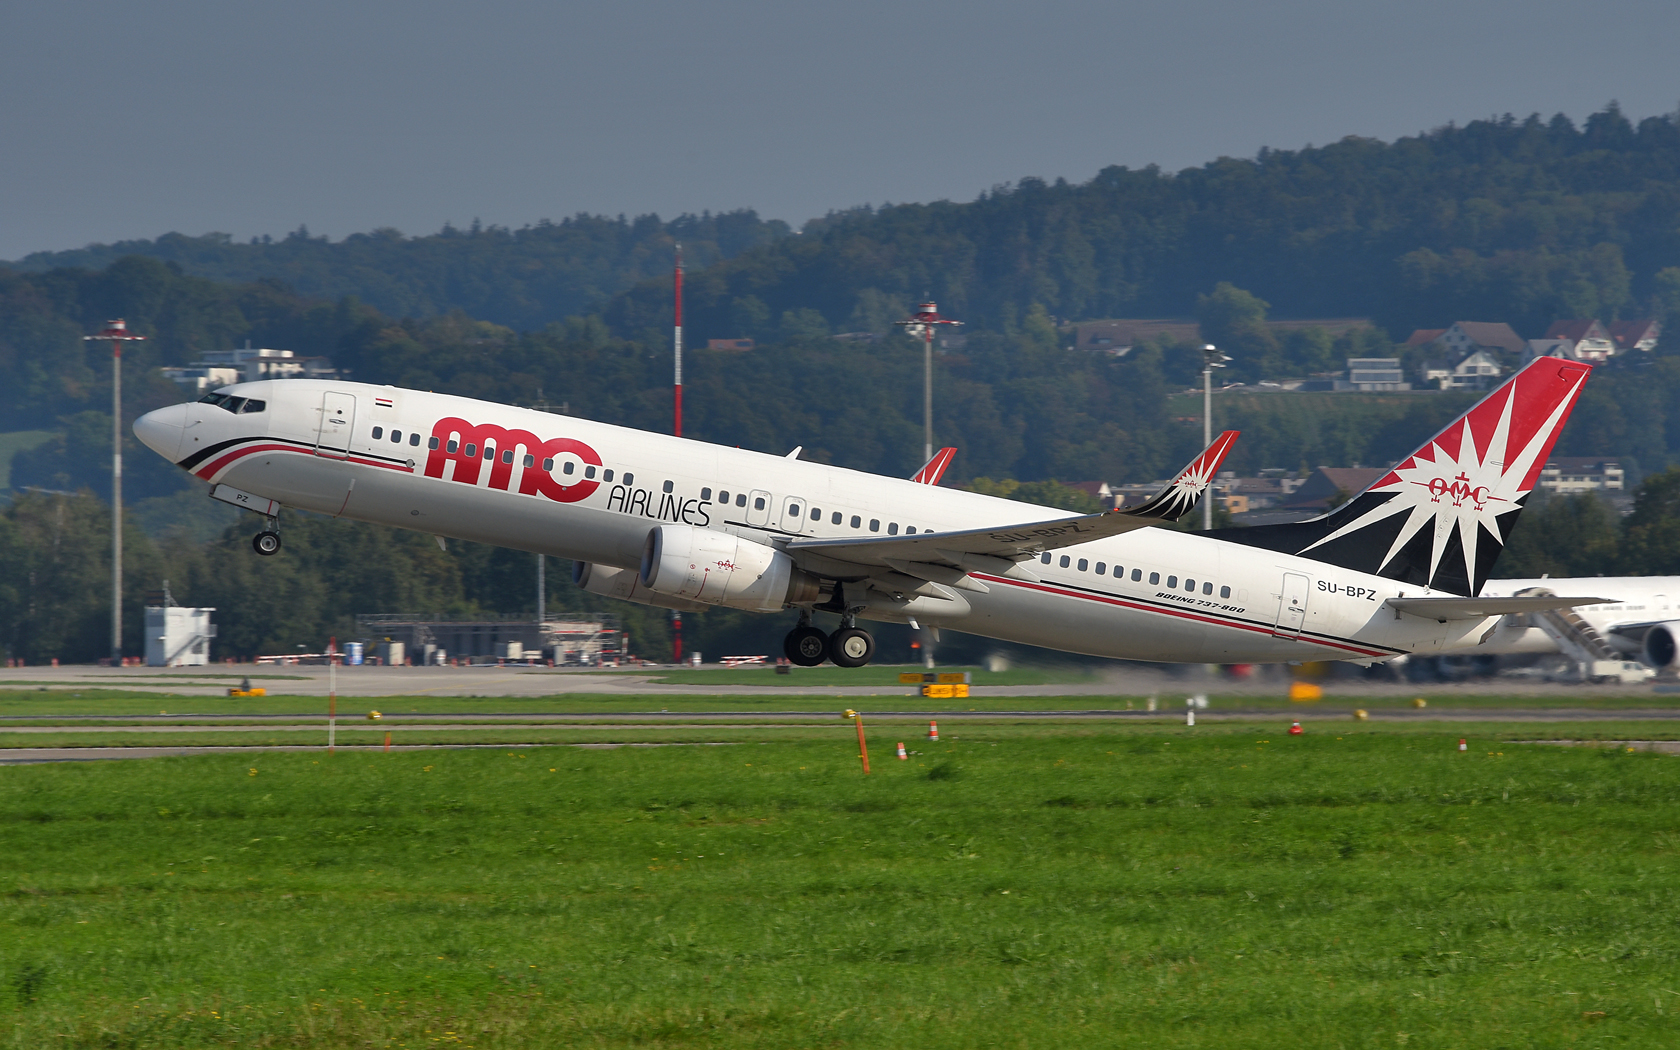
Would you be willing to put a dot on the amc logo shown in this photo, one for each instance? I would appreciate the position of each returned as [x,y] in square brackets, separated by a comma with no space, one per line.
[1458,490]
[472,448]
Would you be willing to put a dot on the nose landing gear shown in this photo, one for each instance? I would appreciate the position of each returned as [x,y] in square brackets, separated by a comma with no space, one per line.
[267,542]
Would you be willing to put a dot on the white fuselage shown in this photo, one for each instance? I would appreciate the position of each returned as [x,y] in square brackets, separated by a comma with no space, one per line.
[1640,601]
[1153,594]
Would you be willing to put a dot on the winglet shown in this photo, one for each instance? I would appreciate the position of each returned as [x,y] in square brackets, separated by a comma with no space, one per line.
[934,469]
[1175,501]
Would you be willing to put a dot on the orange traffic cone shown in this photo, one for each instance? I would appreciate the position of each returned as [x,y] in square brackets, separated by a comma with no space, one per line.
[1462,746]
[933,731]
[902,754]
[1294,729]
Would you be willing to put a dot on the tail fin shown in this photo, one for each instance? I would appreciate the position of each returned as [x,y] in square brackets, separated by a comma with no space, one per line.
[1440,518]
[934,469]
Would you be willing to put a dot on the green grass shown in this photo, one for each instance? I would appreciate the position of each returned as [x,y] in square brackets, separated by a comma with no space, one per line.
[1056,886]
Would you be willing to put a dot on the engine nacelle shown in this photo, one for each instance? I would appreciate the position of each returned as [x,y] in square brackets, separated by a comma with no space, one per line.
[1662,646]
[609,581]
[717,568]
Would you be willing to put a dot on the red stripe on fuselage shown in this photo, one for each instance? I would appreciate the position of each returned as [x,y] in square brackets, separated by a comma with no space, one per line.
[1183,614]
[216,466]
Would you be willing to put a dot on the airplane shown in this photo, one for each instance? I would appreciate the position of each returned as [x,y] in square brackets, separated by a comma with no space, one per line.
[683,524]
[1642,623]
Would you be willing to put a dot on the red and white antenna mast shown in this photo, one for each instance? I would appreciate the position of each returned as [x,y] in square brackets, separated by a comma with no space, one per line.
[676,404]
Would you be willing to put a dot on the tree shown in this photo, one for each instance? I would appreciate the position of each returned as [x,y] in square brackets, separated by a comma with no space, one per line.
[1235,322]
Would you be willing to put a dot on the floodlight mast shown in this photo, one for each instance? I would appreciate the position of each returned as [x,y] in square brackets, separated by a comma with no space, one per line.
[921,325]
[1211,359]
[116,333]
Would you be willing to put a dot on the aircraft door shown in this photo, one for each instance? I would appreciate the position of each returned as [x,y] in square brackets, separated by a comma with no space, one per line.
[1292,606]
[758,507]
[338,419]
[795,509]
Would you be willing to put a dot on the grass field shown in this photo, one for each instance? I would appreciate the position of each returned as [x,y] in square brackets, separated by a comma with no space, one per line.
[1045,886]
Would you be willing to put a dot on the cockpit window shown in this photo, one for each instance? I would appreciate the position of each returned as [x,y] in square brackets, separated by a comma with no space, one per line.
[233,404]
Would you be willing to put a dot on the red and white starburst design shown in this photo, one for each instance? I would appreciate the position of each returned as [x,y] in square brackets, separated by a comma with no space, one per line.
[1477,469]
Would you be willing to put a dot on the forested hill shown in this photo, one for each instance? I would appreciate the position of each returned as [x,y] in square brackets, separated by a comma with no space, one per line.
[1516,220]
[1524,221]
[521,278]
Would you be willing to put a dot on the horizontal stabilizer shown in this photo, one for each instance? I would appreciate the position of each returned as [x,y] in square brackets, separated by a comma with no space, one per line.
[1482,608]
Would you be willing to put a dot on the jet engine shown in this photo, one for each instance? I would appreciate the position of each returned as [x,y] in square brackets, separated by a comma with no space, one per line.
[717,568]
[1662,646]
[609,581]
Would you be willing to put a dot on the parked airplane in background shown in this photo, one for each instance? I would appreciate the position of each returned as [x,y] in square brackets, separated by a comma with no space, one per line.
[1643,623]
[683,524]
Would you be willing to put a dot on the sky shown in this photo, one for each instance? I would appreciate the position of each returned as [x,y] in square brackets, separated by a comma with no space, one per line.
[125,120]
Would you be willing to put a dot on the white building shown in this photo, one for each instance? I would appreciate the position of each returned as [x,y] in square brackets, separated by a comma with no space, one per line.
[248,364]
[1478,371]
[1567,475]
[177,636]
[1375,373]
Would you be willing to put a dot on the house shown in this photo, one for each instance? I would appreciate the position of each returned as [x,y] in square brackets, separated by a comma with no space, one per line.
[1590,340]
[1567,475]
[247,364]
[1101,491]
[1329,487]
[1477,371]
[1465,337]
[1635,335]
[1538,348]
[729,344]
[1424,336]
[1374,373]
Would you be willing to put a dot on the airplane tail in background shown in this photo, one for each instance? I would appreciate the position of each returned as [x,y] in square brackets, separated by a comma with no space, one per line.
[1440,518]
[934,469]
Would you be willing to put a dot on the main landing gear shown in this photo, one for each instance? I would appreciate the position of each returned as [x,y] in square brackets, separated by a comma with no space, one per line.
[267,542]
[850,646]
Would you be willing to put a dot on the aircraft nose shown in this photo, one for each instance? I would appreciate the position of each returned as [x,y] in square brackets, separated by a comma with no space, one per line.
[162,429]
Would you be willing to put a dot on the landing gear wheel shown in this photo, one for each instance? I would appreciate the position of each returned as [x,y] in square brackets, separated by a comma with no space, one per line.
[851,647]
[805,646]
[266,543]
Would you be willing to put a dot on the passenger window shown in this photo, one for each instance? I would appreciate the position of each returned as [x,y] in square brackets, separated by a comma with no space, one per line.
[1172,581]
[629,478]
[909,530]
[857,522]
[1190,585]
[793,511]
[874,524]
[472,449]
[1102,567]
[1224,592]
[1207,588]
[489,451]
[588,471]
[758,503]
[378,432]
[567,468]
[530,460]
[723,496]
[606,475]
[816,514]
[1045,557]
[1137,574]
[396,436]
[254,406]
[414,439]
[548,463]
[835,520]
[892,528]
[740,499]
[706,493]
[1084,565]
[1064,562]
[507,456]
[667,486]
[1154,577]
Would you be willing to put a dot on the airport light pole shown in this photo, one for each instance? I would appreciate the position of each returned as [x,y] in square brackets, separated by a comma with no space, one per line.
[116,333]
[921,325]
[1211,359]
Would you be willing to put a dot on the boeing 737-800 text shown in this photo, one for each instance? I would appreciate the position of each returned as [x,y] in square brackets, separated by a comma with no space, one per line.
[684,524]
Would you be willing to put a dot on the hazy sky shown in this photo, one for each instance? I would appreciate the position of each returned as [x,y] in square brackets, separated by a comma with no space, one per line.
[123,120]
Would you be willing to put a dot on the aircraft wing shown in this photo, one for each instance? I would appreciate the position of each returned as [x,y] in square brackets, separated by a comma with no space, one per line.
[946,557]
[1480,608]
